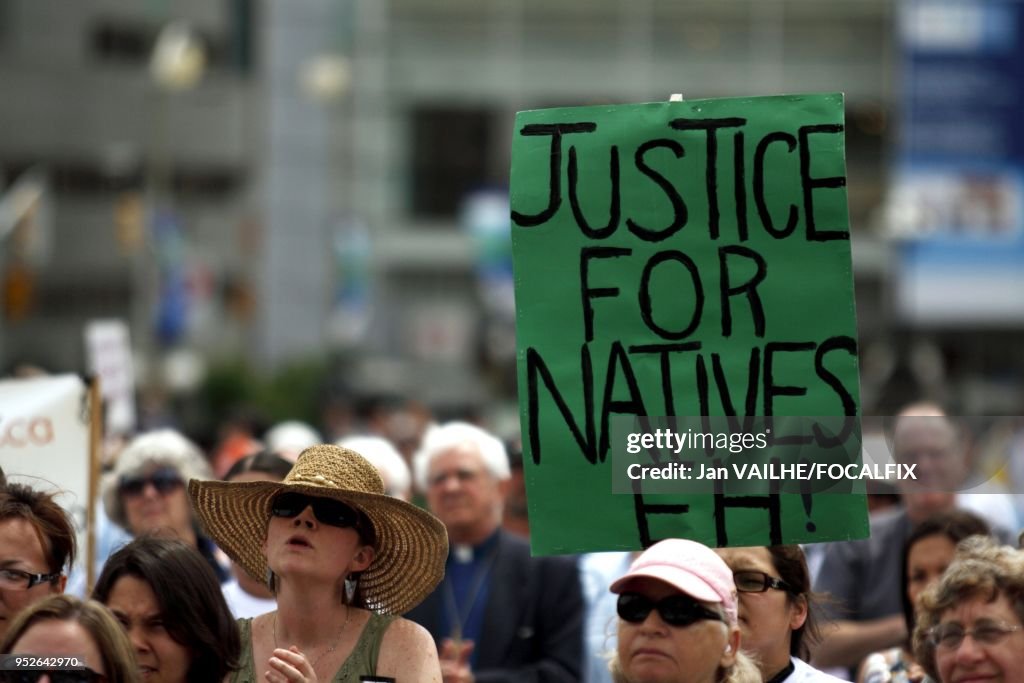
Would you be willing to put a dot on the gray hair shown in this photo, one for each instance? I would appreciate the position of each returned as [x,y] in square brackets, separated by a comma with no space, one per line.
[291,437]
[441,438]
[382,455]
[159,447]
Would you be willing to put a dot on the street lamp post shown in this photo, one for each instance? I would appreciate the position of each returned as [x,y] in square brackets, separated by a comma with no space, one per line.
[177,64]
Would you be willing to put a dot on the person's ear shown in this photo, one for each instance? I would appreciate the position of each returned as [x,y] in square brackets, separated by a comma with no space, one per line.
[62,582]
[798,610]
[504,487]
[732,648]
[362,559]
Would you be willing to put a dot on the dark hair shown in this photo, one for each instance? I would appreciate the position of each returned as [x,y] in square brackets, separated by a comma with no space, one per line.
[52,524]
[791,564]
[110,639]
[267,462]
[514,448]
[956,525]
[190,599]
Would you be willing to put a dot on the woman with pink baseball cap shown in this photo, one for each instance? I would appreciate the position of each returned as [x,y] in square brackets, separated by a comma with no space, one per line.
[677,619]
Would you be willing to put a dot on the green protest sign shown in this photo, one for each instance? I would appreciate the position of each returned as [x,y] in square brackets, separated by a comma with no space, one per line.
[679,259]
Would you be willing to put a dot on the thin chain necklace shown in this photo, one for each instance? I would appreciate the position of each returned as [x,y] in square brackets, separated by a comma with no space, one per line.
[459,617]
[341,631]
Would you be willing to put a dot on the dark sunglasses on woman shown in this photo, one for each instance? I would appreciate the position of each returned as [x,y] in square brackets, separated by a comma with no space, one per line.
[164,480]
[326,510]
[675,610]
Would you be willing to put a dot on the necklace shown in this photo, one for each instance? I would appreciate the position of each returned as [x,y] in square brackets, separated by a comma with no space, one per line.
[341,631]
[459,617]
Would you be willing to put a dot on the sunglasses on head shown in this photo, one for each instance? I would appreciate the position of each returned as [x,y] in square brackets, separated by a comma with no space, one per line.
[83,675]
[675,610]
[163,480]
[327,510]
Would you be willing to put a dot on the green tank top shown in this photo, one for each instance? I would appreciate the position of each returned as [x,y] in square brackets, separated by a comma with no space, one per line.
[361,662]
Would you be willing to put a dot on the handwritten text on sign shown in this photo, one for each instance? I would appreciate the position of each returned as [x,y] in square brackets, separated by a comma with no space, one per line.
[677,259]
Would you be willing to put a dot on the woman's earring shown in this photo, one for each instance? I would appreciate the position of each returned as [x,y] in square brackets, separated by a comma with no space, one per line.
[270,579]
[351,581]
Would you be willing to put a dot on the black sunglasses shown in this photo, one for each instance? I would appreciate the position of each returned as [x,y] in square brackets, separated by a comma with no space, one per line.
[675,610]
[327,510]
[83,675]
[163,480]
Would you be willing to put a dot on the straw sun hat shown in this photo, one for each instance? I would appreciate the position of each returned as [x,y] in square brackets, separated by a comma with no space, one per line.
[411,544]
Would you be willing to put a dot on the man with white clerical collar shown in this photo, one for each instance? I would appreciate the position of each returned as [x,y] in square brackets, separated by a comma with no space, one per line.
[499,614]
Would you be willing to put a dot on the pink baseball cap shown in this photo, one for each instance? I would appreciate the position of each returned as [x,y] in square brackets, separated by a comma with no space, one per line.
[690,567]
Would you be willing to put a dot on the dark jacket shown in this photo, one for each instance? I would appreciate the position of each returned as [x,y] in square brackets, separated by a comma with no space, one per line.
[533,622]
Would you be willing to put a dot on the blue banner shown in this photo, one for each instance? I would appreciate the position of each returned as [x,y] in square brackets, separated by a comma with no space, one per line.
[958,193]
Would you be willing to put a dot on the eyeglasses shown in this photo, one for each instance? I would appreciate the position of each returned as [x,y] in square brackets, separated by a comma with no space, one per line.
[163,480]
[675,610]
[950,636]
[463,476]
[327,510]
[84,675]
[15,579]
[758,582]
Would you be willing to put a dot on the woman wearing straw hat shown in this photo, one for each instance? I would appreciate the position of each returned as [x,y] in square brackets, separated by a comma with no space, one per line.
[342,557]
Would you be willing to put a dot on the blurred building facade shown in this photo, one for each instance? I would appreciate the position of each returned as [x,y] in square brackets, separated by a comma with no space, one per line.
[277,172]
[124,154]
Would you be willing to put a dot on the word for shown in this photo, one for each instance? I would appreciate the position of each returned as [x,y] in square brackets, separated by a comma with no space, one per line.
[689,287]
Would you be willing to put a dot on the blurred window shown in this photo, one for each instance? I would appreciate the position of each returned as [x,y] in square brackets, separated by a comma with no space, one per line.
[454,151]
[128,42]
[211,182]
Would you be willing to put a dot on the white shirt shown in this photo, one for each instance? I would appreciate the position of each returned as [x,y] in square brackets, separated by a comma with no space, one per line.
[597,572]
[805,673]
[242,604]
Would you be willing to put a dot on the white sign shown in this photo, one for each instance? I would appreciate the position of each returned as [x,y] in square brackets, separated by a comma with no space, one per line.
[109,355]
[44,440]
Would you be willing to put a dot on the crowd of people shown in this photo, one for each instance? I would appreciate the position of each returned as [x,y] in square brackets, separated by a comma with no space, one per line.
[365,560]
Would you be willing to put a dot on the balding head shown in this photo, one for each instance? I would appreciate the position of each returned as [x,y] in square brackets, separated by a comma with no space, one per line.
[923,435]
